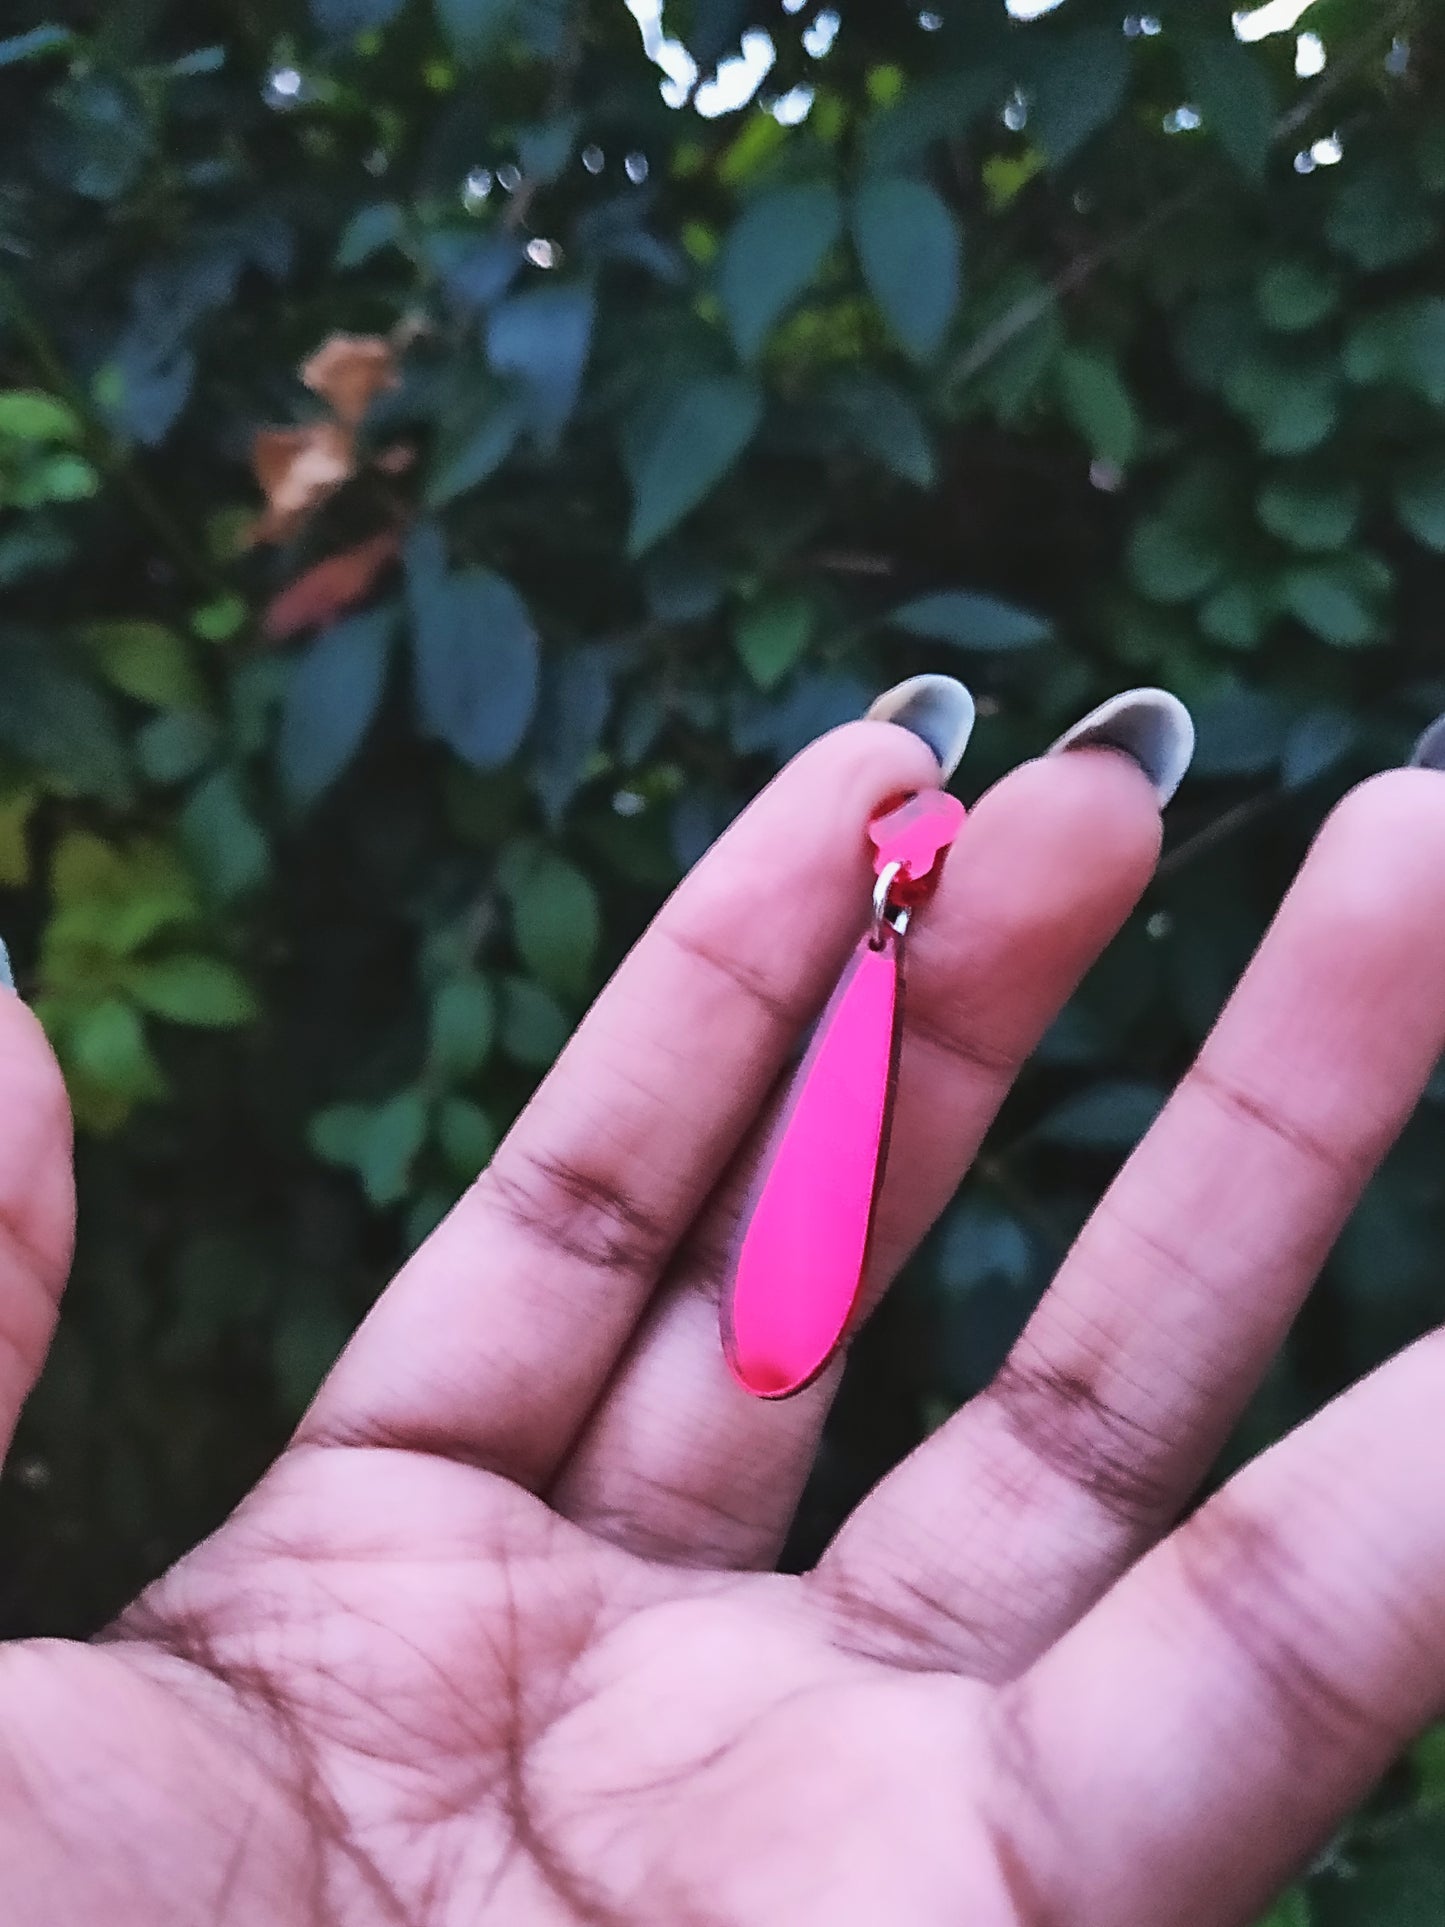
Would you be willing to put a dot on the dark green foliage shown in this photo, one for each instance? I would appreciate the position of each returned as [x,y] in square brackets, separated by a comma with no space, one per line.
[680,436]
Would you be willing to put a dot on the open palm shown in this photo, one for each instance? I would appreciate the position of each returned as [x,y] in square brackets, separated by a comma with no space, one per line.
[496,1640]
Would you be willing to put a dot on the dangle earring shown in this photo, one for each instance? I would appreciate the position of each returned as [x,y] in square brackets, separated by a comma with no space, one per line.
[801,1251]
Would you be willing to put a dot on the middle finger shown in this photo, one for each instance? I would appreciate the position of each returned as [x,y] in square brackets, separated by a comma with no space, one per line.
[678,1462]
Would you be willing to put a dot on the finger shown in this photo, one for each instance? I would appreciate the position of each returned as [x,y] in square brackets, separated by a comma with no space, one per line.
[678,1461]
[1240,1691]
[37,1204]
[994,1537]
[496,1339]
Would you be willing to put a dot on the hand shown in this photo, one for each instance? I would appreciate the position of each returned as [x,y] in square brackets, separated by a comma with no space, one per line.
[496,1641]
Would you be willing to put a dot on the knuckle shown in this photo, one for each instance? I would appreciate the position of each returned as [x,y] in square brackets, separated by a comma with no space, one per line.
[576,1211]
[1059,1417]
[1241,1574]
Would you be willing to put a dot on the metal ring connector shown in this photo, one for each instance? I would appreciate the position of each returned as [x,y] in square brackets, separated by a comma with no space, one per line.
[886,915]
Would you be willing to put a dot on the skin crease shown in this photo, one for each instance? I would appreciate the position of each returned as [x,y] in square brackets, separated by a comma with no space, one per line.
[496,1640]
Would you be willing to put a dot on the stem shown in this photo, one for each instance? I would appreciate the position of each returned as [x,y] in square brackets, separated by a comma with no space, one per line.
[1219,831]
[102,445]
[1032,308]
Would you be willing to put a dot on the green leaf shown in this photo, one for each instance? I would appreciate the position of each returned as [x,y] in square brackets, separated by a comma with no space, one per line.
[335,691]
[1403,344]
[572,717]
[557,921]
[1228,84]
[98,137]
[337,1134]
[54,718]
[533,1025]
[31,45]
[390,1143]
[912,257]
[772,255]
[16,809]
[147,661]
[221,619]
[1420,500]
[345,19]
[219,831]
[473,27]
[541,339]
[682,449]
[34,546]
[772,638]
[970,620]
[476,655]
[1099,405]
[470,452]
[1332,600]
[1078,86]
[982,1245]
[62,477]
[881,420]
[1110,1116]
[1296,295]
[379,225]
[940,107]
[177,746]
[1318,742]
[29,415]
[1310,513]
[1380,217]
[1291,407]
[1171,562]
[466,1135]
[545,149]
[192,990]
[1239,614]
[463,1020]
[107,1045]
[1292,1911]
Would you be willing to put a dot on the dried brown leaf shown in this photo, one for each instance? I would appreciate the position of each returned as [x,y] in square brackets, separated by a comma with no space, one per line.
[350,371]
[299,469]
[330,588]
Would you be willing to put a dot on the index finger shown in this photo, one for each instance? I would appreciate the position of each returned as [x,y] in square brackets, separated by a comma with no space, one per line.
[495,1341]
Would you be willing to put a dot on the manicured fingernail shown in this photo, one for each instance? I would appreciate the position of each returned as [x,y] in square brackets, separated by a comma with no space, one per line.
[938,709]
[1430,750]
[1148,724]
[7,975]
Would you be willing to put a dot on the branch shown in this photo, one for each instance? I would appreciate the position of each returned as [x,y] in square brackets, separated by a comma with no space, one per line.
[1032,308]
[103,446]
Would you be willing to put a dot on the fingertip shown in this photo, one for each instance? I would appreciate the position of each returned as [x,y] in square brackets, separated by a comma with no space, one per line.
[1096,799]
[876,760]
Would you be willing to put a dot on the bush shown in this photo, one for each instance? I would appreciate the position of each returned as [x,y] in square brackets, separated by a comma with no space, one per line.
[443,470]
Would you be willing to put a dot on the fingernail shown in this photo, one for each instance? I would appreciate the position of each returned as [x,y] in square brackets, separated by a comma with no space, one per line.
[7,975]
[938,709]
[1148,724]
[1429,752]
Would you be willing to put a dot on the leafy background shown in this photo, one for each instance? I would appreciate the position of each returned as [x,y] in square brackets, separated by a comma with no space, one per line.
[450,453]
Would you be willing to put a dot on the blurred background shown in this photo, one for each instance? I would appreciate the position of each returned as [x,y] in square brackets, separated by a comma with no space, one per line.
[452,450]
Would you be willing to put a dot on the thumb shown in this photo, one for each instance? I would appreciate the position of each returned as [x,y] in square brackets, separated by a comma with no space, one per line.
[37,1200]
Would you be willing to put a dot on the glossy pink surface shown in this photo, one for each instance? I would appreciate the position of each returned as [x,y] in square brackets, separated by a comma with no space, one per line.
[917,834]
[798,1267]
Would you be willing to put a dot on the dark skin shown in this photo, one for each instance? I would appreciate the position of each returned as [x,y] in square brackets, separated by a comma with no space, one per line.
[498,1640]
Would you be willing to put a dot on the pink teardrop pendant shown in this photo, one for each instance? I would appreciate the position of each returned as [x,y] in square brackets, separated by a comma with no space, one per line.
[801,1251]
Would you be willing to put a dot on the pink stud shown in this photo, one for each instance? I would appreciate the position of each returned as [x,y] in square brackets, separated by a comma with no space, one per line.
[916,835]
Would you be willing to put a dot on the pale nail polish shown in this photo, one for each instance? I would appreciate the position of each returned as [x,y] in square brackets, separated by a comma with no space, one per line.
[1429,752]
[7,975]
[1148,724]
[937,709]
